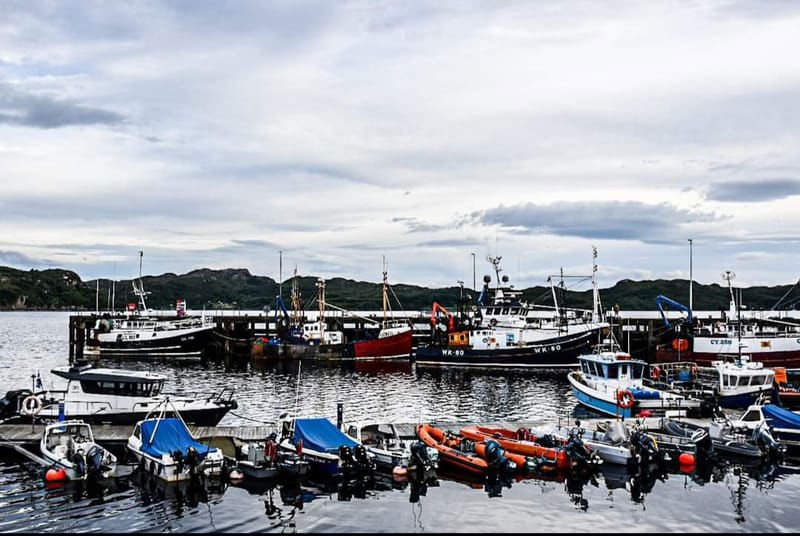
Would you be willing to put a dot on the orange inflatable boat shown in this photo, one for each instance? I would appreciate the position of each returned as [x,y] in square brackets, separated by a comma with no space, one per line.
[516,443]
[453,450]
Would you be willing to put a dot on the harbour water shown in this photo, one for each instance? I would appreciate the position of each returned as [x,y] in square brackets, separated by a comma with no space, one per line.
[729,498]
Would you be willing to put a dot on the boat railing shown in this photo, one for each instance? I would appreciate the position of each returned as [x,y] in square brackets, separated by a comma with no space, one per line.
[223,395]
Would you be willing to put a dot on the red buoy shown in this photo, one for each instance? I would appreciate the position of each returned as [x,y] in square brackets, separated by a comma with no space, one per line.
[55,475]
[645,413]
[686,459]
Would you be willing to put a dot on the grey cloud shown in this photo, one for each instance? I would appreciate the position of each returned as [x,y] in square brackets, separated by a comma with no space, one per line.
[15,258]
[450,243]
[416,225]
[753,191]
[40,111]
[613,220]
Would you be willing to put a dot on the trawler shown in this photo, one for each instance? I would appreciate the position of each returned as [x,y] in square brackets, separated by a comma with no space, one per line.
[509,332]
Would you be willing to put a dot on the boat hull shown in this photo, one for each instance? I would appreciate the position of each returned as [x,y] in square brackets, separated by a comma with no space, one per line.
[558,352]
[394,346]
[184,343]
[787,358]
[198,417]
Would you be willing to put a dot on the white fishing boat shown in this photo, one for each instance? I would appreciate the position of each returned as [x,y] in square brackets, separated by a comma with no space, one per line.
[141,334]
[164,446]
[383,442]
[70,445]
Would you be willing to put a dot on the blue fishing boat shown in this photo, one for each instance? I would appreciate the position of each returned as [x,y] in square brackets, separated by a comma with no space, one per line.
[329,451]
[611,382]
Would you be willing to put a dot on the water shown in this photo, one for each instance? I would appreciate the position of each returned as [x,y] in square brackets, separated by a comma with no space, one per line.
[731,498]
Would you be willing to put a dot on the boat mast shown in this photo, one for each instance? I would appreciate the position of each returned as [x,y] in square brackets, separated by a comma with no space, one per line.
[139,291]
[321,301]
[595,291]
[295,299]
[385,289]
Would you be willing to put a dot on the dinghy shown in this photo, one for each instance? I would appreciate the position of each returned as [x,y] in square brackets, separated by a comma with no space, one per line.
[69,445]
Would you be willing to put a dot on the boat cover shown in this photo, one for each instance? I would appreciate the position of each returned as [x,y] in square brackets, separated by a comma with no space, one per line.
[778,417]
[171,435]
[320,435]
[644,394]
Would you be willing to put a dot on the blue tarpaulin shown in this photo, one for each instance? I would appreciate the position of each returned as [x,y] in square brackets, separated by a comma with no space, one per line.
[778,417]
[171,435]
[645,394]
[320,435]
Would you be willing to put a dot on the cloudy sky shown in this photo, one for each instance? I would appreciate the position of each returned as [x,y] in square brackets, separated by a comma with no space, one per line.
[214,134]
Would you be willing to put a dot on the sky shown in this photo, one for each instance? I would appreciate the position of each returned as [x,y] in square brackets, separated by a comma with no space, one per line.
[218,134]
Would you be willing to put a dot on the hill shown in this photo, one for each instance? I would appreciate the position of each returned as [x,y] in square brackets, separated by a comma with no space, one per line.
[239,289]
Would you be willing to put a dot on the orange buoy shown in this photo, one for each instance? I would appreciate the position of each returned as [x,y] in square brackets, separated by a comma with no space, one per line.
[680,345]
[686,459]
[55,475]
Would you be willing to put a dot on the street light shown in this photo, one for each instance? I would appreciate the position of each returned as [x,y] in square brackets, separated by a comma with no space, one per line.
[473,273]
[690,275]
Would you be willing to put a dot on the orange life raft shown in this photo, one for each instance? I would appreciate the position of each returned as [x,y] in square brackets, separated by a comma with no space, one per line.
[512,444]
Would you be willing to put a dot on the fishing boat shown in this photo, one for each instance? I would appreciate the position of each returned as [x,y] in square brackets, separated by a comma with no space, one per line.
[297,338]
[610,382]
[328,450]
[734,381]
[788,391]
[164,446]
[505,331]
[141,334]
[70,445]
[773,341]
[113,396]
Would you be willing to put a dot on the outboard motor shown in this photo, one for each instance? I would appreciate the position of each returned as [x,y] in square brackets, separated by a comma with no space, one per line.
[9,404]
[362,458]
[770,447]
[180,461]
[704,447]
[79,463]
[576,449]
[496,458]
[94,463]
[193,459]
[645,447]
[348,466]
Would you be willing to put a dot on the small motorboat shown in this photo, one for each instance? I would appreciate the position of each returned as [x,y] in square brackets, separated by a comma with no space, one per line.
[263,460]
[384,442]
[724,438]
[611,444]
[475,458]
[328,450]
[520,442]
[164,446]
[784,425]
[70,445]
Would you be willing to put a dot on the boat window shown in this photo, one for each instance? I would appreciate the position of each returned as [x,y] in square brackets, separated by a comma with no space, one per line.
[638,371]
[623,371]
[505,311]
[752,416]
[612,373]
[514,311]
[584,367]
[596,368]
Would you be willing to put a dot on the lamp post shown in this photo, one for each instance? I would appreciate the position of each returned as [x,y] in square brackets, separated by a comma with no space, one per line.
[690,275]
[473,273]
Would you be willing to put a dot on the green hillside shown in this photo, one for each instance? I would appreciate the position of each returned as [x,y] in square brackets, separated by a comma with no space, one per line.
[239,289]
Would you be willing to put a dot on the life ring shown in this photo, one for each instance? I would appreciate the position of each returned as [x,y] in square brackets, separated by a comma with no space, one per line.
[493,322]
[32,405]
[625,399]
[655,373]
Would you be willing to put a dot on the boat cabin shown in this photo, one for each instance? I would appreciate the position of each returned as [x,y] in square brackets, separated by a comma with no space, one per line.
[111,381]
[612,364]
